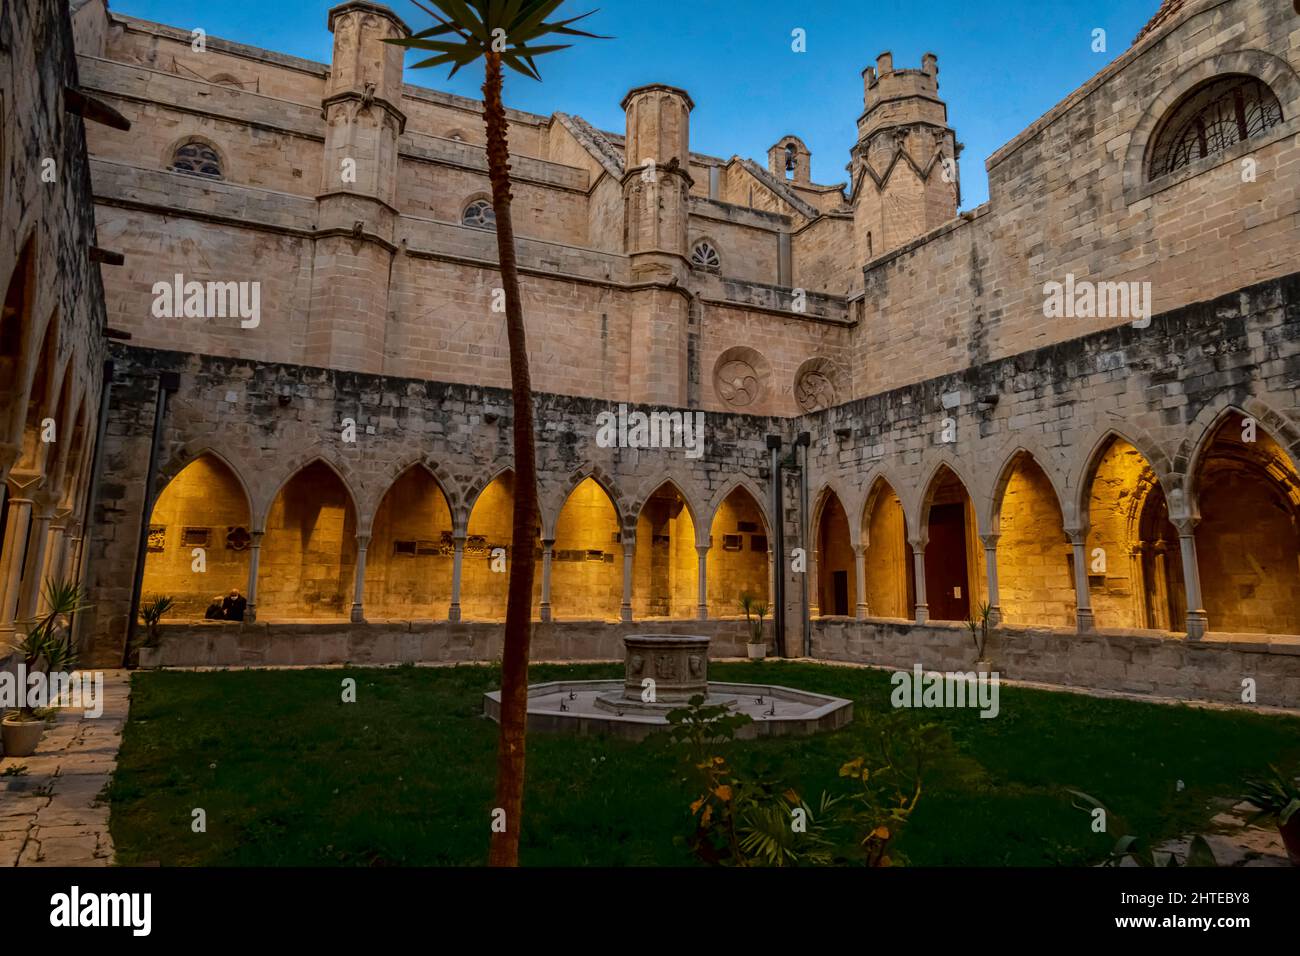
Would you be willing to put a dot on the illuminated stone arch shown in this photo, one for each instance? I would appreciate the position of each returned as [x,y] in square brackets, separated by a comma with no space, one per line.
[948,527]
[832,564]
[200,541]
[589,537]
[739,560]
[376,488]
[889,585]
[1245,492]
[411,551]
[551,500]
[665,582]
[1034,554]
[1125,510]
[1214,415]
[489,531]
[309,546]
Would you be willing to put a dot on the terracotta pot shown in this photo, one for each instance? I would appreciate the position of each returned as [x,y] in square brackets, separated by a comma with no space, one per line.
[983,667]
[21,736]
[1291,838]
[756,651]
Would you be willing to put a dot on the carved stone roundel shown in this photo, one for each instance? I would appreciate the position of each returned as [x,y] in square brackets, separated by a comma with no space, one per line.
[814,391]
[737,383]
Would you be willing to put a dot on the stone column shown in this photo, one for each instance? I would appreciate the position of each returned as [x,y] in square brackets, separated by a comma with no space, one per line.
[860,571]
[1082,597]
[254,559]
[1197,620]
[625,612]
[991,568]
[37,544]
[814,559]
[359,592]
[702,611]
[17,526]
[52,568]
[918,566]
[544,608]
[457,563]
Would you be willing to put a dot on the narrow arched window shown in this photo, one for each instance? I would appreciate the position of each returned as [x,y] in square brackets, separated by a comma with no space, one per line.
[704,256]
[1213,117]
[197,158]
[479,215]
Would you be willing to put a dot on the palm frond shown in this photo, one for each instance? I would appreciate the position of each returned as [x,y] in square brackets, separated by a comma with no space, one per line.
[467,29]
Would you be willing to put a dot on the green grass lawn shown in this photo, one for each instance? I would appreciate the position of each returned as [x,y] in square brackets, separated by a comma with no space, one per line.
[289,775]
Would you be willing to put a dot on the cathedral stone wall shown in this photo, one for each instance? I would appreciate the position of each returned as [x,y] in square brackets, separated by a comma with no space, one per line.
[1070,195]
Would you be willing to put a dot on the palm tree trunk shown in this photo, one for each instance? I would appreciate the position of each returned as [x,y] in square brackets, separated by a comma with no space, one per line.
[519,603]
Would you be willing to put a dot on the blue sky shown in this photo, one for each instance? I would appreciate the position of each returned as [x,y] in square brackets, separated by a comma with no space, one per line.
[1001,65]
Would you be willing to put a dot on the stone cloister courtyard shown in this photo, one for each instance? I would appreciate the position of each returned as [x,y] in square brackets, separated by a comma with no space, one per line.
[875,525]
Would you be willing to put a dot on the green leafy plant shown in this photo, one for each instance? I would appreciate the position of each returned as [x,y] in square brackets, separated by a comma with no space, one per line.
[1277,796]
[151,613]
[979,630]
[755,610]
[504,34]
[1141,851]
[47,644]
[743,818]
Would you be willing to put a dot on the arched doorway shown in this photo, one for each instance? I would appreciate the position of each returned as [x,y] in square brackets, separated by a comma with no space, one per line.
[837,586]
[954,557]
[485,569]
[587,561]
[665,568]
[738,557]
[888,568]
[1135,570]
[1248,538]
[411,552]
[1035,580]
[309,551]
[199,540]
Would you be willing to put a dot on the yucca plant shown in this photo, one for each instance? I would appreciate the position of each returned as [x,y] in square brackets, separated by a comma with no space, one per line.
[755,610]
[151,612]
[504,33]
[47,643]
[1277,795]
[979,629]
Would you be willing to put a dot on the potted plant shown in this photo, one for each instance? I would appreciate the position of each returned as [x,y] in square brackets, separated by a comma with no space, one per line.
[46,647]
[1278,798]
[979,634]
[755,610]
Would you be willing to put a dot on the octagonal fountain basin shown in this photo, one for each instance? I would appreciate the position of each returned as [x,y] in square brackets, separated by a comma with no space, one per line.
[670,669]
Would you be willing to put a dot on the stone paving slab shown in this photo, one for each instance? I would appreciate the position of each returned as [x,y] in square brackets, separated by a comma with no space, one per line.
[50,814]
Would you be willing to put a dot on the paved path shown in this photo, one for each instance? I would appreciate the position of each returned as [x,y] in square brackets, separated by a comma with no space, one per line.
[49,812]
[1234,841]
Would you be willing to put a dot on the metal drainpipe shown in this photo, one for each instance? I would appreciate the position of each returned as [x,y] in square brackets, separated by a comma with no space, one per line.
[802,443]
[168,382]
[778,545]
[92,491]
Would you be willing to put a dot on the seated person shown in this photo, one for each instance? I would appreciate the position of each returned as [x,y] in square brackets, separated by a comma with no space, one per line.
[215,611]
[233,606]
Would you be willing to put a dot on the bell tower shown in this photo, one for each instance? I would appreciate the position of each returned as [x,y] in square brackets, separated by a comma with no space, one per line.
[904,166]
